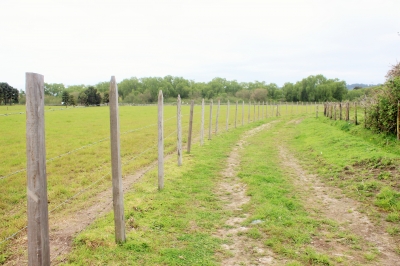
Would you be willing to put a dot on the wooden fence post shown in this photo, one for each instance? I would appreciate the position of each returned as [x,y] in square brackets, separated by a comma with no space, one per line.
[160,140]
[355,114]
[248,115]
[258,112]
[179,124]
[210,122]
[189,145]
[254,112]
[242,113]
[236,111]
[365,118]
[118,193]
[398,120]
[227,116]
[202,123]
[340,108]
[216,119]
[38,221]
[335,111]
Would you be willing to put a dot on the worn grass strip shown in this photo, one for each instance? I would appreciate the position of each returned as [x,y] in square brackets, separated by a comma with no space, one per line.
[283,223]
[171,227]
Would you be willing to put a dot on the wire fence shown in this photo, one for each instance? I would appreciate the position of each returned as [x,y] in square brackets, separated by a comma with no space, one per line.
[236,117]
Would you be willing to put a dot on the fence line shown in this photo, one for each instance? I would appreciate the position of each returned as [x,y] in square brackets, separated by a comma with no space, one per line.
[135,157]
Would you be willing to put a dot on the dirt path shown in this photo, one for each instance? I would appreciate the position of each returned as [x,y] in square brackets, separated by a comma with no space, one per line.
[331,203]
[239,249]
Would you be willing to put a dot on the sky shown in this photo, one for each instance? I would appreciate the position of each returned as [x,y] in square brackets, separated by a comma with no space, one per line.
[86,42]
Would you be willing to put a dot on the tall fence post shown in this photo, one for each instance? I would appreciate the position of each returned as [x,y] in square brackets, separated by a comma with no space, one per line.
[118,194]
[316,111]
[258,111]
[242,113]
[189,145]
[398,120]
[38,216]
[216,119]
[248,115]
[210,122]
[227,116]
[355,114]
[254,112]
[160,140]
[236,111]
[179,125]
[202,123]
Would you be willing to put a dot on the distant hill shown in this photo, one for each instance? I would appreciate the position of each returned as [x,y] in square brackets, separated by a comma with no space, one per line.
[361,85]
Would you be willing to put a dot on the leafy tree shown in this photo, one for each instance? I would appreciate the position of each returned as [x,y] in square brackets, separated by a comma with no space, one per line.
[93,97]
[106,97]
[53,89]
[65,98]
[82,98]
[71,100]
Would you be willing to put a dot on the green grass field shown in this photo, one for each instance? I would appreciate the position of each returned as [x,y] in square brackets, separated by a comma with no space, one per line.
[78,154]
[78,151]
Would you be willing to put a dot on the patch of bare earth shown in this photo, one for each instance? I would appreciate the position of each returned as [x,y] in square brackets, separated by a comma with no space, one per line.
[62,231]
[239,249]
[329,202]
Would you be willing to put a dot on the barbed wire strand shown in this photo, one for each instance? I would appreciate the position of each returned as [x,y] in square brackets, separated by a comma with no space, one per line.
[85,146]
[86,188]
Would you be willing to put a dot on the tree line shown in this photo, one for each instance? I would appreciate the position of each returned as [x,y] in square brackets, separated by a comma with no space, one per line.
[8,94]
[145,90]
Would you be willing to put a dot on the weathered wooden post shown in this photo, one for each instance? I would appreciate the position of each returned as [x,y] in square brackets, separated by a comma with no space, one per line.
[202,123]
[335,111]
[258,112]
[242,113]
[227,116]
[38,217]
[216,119]
[254,112]
[179,124]
[236,111]
[355,113]
[340,110]
[118,193]
[316,110]
[160,140]
[398,120]
[248,115]
[210,122]
[365,118]
[189,145]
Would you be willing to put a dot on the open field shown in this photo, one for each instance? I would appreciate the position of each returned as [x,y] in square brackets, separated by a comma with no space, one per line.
[78,155]
[183,224]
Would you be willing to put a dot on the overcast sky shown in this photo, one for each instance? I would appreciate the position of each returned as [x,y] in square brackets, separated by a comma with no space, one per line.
[277,41]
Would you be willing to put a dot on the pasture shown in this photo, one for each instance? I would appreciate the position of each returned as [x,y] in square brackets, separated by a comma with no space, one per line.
[180,225]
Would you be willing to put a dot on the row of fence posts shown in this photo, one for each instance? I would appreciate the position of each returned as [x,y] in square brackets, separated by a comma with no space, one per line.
[38,225]
[330,110]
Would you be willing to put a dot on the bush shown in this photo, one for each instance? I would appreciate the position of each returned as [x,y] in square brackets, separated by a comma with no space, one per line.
[382,110]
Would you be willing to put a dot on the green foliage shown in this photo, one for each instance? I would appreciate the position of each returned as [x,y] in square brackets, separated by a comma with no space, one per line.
[315,89]
[93,97]
[65,98]
[382,110]
[8,94]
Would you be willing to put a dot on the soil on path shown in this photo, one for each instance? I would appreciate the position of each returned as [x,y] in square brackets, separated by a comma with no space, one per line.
[239,249]
[324,201]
